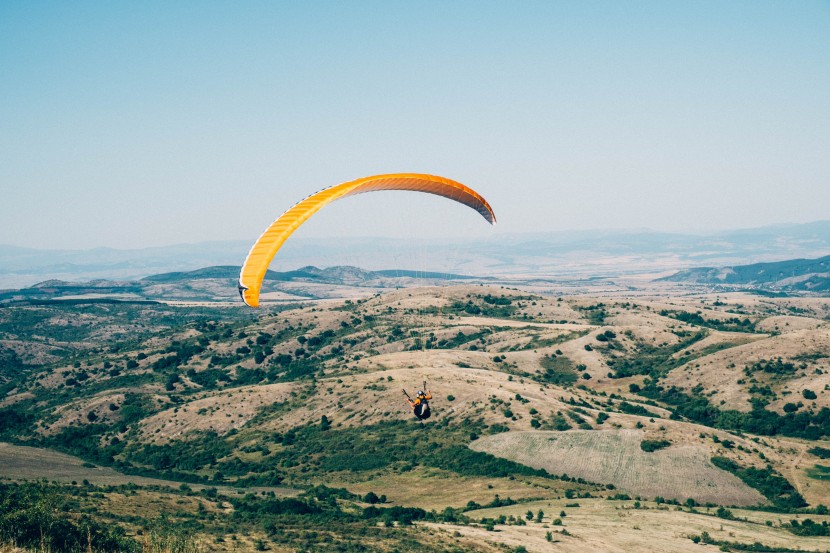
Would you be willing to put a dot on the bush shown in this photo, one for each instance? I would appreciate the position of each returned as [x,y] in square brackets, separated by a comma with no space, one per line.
[723,512]
[558,370]
[654,445]
[809,527]
[821,452]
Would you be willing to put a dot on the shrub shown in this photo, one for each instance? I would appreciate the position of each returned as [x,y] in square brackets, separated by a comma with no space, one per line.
[654,445]
[723,512]
[821,452]
[558,370]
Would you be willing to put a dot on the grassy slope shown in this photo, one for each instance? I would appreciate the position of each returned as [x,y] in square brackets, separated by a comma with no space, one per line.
[493,357]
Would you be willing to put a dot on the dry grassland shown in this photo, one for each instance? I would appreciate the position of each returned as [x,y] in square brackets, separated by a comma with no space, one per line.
[721,371]
[617,527]
[364,398]
[363,387]
[614,456]
[431,488]
[32,463]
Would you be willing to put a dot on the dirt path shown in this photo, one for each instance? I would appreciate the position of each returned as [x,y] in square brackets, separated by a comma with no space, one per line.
[793,469]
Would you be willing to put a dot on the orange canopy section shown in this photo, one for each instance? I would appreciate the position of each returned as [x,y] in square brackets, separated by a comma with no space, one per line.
[267,246]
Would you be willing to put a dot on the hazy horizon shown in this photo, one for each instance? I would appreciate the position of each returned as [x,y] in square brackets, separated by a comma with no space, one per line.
[551,254]
[460,238]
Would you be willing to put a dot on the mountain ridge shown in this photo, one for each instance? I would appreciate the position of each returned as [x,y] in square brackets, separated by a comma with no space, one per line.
[219,283]
[806,275]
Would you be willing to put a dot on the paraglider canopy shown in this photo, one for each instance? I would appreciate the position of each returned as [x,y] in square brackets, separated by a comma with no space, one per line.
[267,246]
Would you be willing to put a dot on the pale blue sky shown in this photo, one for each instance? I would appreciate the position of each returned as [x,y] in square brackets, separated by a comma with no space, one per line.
[133,124]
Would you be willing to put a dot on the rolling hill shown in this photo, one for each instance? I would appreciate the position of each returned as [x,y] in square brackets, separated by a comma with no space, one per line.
[286,427]
[795,275]
[211,284]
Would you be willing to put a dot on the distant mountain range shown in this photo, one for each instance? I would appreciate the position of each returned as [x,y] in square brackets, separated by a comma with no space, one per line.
[329,275]
[556,254]
[219,284]
[803,275]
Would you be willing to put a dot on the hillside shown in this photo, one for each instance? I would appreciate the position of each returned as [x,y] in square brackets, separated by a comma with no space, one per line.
[802,275]
[618,402]
[214,284]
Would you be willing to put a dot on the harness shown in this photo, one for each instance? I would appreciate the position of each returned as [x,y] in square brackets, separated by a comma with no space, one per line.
[420,405]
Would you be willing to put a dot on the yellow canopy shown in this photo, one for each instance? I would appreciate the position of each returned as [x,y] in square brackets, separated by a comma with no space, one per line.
[266,247]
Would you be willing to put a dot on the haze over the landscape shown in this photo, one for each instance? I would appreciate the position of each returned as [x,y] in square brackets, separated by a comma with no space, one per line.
[552,254]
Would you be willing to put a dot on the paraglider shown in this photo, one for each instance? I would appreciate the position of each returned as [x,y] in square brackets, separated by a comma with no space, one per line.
[420,405]
[267,246]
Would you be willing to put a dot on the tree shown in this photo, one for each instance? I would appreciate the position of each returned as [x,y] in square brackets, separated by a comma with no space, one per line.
[723,512]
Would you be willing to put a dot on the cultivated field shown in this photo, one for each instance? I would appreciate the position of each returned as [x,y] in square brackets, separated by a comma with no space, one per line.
[615,456]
